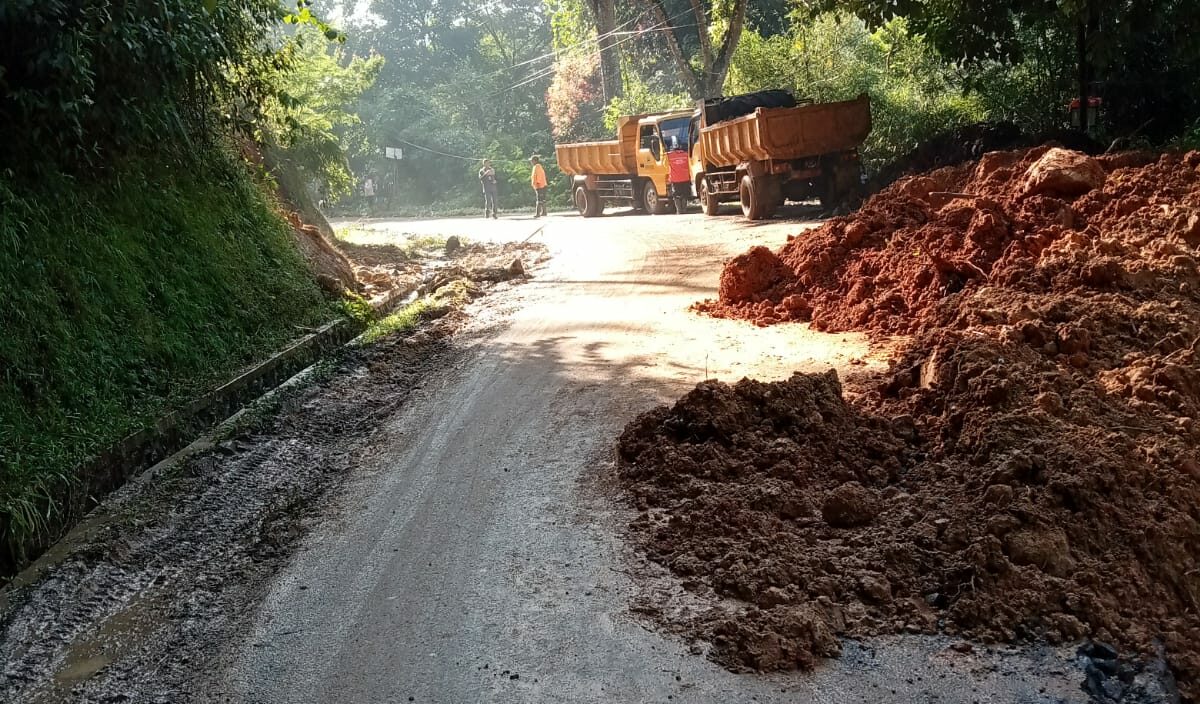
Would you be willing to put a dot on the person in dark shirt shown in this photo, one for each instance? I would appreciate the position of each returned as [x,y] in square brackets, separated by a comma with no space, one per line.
[487,179]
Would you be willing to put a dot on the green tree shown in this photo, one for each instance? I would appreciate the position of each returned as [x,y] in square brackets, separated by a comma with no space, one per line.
[835,56]
[1145,50]
[85,79]
[311,115]
[701,39]
[461,81]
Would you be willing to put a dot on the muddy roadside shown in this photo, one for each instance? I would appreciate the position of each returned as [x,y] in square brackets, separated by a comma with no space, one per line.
[132,604]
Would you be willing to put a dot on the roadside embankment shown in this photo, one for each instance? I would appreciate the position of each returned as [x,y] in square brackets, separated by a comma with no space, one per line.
[122,297]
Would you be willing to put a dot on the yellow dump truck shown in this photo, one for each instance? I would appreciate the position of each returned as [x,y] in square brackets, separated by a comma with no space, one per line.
[773,154]
[629,170]
[760,148]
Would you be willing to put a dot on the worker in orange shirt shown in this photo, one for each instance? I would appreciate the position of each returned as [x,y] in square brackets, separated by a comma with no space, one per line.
[538,180]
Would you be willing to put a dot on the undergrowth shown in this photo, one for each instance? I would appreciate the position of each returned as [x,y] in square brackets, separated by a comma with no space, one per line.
[121,298]
[403,244]
[402,320]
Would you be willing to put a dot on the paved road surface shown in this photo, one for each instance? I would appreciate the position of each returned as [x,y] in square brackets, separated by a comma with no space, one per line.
[473,552]
[474,561]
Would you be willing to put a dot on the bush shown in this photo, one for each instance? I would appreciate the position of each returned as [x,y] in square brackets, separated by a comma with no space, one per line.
[914,92]
[82,78]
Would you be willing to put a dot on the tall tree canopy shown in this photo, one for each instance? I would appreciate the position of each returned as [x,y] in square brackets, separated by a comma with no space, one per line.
[1143,51]
[462,80]
[688,34]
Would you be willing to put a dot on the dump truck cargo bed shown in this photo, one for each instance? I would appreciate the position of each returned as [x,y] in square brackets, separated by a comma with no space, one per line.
[788,133]
[601,158]
[608,158]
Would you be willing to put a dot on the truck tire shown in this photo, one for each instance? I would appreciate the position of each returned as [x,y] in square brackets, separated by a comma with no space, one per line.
[759,196]
[650,200]
[638,201]
[588,202]
[709,202]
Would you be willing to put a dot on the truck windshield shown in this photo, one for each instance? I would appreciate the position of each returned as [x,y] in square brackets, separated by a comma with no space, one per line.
[675,131]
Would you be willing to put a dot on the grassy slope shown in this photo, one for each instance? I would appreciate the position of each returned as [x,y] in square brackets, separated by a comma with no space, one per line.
[120,299]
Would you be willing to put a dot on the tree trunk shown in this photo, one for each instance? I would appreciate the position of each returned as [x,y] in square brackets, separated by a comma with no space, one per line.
[605,14]
[1089,24]
[709,80]
[720,64]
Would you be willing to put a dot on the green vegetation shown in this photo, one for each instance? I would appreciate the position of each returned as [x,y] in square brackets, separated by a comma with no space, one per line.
[1140,57]
[914,93]
[402,320]
[141,260]
[308,113]
[464,82]
[86,80]
[123,297]
[460,82]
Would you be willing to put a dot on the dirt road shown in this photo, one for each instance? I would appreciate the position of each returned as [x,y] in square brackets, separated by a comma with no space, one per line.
[433,525]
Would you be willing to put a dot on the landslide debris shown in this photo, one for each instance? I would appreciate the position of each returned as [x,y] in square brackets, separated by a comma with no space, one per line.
[970,142]
[1028,469]
[996,222]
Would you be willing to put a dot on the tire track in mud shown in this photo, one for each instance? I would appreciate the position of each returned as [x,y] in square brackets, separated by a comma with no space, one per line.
[135,607]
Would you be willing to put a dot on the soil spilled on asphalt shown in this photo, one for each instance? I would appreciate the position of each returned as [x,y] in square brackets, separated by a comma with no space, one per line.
[1028,469]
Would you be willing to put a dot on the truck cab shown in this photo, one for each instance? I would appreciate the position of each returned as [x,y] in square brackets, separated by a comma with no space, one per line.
[655,135]
[631,170]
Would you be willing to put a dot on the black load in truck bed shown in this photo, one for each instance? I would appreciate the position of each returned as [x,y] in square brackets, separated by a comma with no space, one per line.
[727,108]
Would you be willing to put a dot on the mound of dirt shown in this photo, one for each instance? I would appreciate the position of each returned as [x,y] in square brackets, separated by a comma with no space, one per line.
[1028,469]
[970,142]
[331,268]
[926,238]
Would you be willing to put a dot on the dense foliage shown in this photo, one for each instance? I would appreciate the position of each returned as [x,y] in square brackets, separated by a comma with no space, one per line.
[1140,57]
[121,298]
[460,82]
[140,261]
[80,79]
[914,93]
[309,112]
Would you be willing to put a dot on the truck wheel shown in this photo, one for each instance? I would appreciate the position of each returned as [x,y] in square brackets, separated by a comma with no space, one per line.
[639,196]
[757,201]
[708,200]
[828,194]
[588,202]
[654,204]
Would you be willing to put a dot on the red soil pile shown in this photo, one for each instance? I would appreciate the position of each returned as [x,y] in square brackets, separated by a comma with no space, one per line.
[928,237]
[1028,470]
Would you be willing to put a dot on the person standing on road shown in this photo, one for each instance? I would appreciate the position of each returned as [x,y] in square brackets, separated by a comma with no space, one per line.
[680,174]
[538,180]
[487,179]
[369,192]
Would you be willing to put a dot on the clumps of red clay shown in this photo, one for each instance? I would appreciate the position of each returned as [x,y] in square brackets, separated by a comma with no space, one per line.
[884,268]
[1028,469]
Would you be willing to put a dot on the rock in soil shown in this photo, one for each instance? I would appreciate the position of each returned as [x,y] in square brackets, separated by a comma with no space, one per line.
[1028,469]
